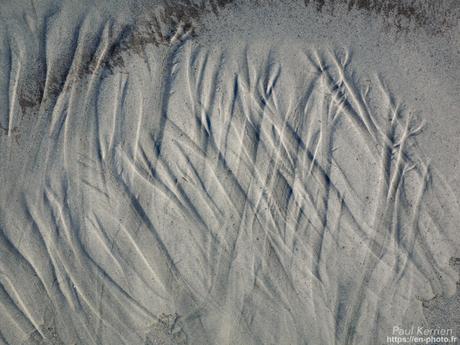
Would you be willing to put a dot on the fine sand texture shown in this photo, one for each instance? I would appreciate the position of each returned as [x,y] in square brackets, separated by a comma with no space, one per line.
[218,172]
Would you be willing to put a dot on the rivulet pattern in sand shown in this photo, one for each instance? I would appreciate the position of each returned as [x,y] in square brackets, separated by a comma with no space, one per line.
[162,185]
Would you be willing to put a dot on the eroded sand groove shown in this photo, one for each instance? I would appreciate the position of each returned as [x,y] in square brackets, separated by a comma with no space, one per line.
[192,195]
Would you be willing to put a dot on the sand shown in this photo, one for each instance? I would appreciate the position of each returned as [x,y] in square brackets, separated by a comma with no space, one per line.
[228,172]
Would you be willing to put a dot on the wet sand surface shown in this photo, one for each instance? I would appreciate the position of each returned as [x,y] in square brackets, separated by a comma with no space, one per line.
[228,172]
